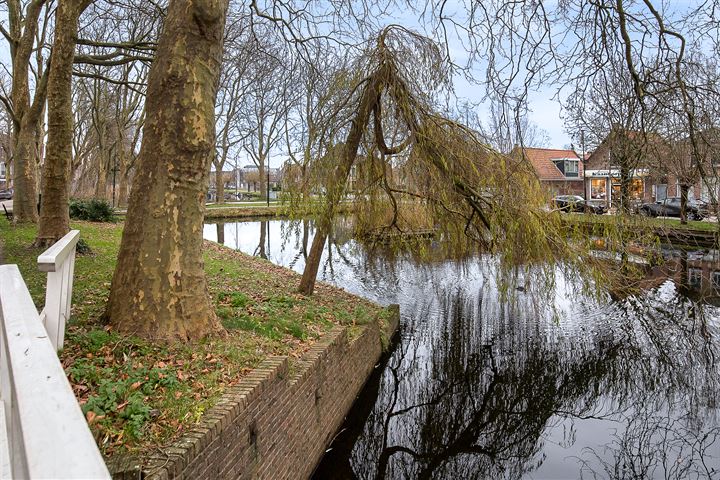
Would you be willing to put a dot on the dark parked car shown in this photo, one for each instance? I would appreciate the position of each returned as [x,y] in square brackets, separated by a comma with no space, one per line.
[6,194]
[576,203]
[670,207]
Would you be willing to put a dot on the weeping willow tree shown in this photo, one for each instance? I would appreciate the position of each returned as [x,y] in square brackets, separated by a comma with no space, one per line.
[404,159]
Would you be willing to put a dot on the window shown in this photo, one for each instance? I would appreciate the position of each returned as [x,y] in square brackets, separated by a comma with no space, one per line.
[716,279]
[2,169]
[637,187]
[694,277]
[598,188]
[571,168]
[567,167]
[660,192]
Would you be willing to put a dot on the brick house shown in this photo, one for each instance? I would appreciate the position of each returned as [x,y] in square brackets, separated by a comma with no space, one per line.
[4,171]
[603,169]
[684,166]
[561,171]
[652,179]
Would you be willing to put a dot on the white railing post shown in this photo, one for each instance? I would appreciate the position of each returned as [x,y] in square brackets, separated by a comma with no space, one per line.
[59,262]
[46,432]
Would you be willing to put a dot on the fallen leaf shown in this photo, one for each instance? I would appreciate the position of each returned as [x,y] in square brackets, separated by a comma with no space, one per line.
[91,417]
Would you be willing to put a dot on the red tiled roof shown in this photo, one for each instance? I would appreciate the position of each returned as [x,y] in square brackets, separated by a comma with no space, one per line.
[542,161]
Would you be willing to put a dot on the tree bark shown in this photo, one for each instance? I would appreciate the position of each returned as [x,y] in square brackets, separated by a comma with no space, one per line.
[159,290]
[101,185]
[263,178]
[683,203]
[219,186]
[54,212]
[123,187]
[625,179]
[25,166]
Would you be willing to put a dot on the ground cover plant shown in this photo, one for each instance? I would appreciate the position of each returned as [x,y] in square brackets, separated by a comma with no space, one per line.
[137,394]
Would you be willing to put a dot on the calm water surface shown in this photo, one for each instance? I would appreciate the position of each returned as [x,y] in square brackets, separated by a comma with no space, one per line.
[479,388]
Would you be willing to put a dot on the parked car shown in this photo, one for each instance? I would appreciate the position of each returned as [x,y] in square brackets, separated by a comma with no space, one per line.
[6,194]
[670,207]
[576,203]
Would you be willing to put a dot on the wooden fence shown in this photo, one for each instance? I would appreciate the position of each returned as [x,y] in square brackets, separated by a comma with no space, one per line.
[43,433]
[59,263]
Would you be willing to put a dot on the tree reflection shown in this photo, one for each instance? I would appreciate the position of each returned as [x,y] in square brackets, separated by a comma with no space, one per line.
[487,385]
[264,236]
[220,233]
[473,394]
[656,445]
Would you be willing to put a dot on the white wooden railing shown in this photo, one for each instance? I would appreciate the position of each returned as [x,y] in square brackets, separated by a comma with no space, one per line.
[44,433]
[59,262]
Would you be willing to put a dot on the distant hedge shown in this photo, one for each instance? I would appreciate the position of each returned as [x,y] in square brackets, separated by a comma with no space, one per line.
[92,210]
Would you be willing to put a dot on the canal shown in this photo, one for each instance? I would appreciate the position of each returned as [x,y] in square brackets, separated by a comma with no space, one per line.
[582,386]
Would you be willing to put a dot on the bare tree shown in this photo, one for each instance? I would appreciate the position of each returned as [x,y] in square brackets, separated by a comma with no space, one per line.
[54,213]
[231,94]
[510,125]
[612,120]
[25,36]
[266,101]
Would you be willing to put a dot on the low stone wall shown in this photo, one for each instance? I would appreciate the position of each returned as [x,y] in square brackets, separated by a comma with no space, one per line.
[278,421]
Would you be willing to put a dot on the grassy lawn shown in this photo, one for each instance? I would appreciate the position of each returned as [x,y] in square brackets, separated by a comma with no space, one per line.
[138,395]
[258,203]
[643,222]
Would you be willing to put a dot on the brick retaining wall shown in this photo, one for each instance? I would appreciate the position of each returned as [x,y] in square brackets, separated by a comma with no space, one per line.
[278,421]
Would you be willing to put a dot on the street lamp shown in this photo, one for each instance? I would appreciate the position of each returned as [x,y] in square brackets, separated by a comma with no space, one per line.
[114,170]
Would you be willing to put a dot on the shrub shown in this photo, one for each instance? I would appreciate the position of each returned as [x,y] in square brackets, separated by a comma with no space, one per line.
[92,210]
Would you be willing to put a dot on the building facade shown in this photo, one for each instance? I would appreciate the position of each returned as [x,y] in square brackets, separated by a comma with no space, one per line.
[560,171]
[603,171]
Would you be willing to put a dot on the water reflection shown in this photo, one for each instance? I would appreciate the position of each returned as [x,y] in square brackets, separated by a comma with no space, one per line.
[477,388]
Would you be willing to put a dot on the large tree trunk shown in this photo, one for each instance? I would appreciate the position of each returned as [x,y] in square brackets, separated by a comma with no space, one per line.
[219,186]
[25,132]
[337,180]
[122,180]
[54,213]
[101,185]
[683,203]
[123,188]
[263,178]
[159,290]
[25,181]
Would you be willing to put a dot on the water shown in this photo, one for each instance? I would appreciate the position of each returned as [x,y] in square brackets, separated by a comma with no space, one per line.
[479,388]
